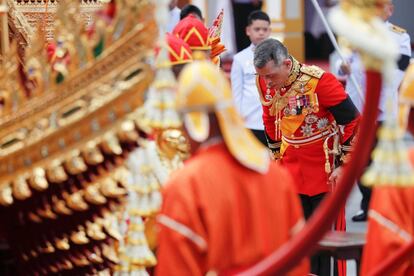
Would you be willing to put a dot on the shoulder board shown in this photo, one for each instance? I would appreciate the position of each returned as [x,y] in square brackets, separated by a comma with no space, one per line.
[397,29]
[312,70]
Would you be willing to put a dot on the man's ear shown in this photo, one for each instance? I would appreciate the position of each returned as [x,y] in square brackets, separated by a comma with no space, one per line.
[391,9]
[247,30]
[288,62]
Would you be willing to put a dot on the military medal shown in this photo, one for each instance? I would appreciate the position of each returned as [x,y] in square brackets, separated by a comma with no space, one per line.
[299,103]
[268,96]
[306,100]
[322,123]
[302,88]
[306,105]
[315,107]
[311,119]
[292,105]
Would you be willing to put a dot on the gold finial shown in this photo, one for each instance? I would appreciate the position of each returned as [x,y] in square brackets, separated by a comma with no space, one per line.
[91,154]
[79,237]
[62,244]
[92,195]
[6,195]
[21,190]
[37,180]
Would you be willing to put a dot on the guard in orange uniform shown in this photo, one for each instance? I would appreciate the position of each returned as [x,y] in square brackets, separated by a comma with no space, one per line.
[303,107]
[226,208]
[193,32]
[179,52]
[391,213]
[200,38]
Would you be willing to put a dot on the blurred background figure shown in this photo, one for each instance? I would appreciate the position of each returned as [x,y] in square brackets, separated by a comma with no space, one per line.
[241,10]
[243,75]
[191,9]
[174,15]
[318,45]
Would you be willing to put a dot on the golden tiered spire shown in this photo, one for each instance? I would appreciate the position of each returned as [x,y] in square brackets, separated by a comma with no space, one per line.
[151,164]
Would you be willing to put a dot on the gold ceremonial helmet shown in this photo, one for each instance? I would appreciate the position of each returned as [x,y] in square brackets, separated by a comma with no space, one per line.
[202,89]
[406,95]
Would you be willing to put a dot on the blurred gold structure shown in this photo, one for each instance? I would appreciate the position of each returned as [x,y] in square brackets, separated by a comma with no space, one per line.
[357,24]
[68,120]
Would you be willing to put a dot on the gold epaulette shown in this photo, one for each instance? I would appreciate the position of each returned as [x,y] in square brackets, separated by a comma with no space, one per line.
[397,29]
[312,70]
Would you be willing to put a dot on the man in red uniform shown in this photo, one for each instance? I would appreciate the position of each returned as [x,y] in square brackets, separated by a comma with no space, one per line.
[391,213]
[303,107]
[224,208]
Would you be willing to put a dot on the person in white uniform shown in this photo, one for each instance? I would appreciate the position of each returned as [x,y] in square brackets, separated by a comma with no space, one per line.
[243,75]
[174,15]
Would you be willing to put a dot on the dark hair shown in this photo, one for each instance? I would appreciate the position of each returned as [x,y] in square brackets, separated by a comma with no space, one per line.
[267,50]
[190,9]
[257,15]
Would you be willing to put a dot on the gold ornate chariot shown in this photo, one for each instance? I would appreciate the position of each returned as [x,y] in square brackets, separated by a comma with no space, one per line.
[67,124]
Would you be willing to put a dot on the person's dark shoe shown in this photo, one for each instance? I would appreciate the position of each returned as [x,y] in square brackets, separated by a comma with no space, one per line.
[360,216]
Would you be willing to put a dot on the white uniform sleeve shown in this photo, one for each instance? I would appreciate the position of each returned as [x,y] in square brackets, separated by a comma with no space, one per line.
[405,45]
[236,76]
[405,52]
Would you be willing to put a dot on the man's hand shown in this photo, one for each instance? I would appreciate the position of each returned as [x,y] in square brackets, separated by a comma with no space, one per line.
[345,68]
[274,155]
[337,172]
